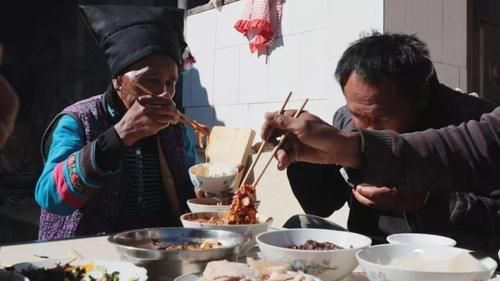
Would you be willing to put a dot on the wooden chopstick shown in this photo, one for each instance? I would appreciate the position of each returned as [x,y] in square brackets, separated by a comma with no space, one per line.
[297,113]
[184,119]
[259,152]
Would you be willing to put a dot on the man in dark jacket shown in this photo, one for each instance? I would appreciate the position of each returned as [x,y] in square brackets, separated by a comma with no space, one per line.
[389,84]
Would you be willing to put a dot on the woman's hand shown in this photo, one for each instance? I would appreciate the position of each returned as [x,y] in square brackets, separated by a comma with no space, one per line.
[146,116]
[310,140]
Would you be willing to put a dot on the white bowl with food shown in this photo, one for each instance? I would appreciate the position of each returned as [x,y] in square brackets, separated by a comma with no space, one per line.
[327,254]
[210,204]
[421,239]
[207,204]
[215,220]
[417,262]
[214,178]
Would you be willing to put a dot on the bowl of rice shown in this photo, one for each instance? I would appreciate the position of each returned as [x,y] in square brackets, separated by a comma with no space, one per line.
[214,178]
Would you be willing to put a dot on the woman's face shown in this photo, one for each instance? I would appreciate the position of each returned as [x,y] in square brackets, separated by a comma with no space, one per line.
[159,74]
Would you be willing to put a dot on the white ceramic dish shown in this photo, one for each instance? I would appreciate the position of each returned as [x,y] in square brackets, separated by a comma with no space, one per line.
[209,204]
[410,262]
[197,276]
[214,178]
[420,239]
[249,231]
[128,271]
[327,265]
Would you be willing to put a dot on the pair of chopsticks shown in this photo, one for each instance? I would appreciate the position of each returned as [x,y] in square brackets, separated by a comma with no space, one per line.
[273,153]
[183,118]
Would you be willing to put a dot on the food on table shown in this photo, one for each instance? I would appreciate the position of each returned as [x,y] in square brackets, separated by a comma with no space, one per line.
[67,272]
[201,130]
[210,220]
[188,245]
[214,170]
[315,245]
[254,271]
[243,210]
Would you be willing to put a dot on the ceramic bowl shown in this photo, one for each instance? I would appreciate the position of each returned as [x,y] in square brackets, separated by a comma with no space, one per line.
[325,264]
[420,239]
[411,262]
[215,178]
[210,204]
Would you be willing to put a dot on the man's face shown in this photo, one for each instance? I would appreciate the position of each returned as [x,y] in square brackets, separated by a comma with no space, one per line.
[379,106]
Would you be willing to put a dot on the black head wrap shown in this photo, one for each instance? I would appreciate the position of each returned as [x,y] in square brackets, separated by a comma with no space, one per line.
[127,34]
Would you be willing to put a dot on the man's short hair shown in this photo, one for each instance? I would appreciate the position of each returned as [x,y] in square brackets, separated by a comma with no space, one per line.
[401,58]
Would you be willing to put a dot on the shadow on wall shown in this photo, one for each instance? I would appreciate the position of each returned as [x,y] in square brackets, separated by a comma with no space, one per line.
[195,96]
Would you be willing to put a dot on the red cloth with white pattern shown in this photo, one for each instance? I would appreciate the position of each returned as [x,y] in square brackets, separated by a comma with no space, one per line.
[260,22]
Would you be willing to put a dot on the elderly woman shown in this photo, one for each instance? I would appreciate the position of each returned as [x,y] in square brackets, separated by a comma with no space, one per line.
[119,160]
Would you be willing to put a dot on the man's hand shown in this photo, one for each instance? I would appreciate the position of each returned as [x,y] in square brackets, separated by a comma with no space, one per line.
[385,198]
[310,139]
[146,117]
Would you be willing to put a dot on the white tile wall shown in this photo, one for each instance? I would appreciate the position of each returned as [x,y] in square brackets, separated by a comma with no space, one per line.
[301,17]
[442,24]
[202,80]
[425,17]
[225,34]
[226,75]
[455,32]
[314,67]
[201,41]
[448,74]
[395,15]
[284,69]
[234,116]
[347,20]
[253,77]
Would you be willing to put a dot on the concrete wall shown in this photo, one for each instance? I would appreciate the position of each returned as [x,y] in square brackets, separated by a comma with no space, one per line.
[442,24]
[233,87]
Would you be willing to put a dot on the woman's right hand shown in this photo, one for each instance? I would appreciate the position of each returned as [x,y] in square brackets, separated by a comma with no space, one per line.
[147,115]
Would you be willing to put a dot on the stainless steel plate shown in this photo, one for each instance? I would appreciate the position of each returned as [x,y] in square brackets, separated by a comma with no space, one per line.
[137,246]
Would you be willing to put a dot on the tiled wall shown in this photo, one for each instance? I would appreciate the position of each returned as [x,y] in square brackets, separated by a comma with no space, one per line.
[231,86]
[442,24]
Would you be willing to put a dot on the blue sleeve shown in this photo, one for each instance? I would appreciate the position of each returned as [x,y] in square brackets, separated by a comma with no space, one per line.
[71,174]
[68,137]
